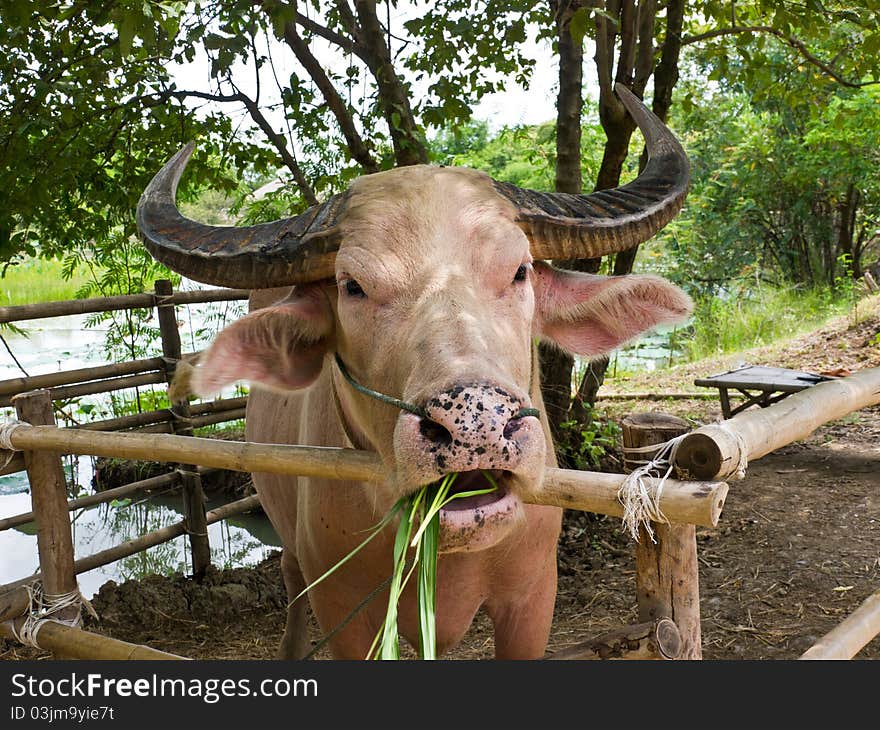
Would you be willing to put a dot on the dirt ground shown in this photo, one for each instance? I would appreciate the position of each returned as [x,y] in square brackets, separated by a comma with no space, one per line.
[797,548]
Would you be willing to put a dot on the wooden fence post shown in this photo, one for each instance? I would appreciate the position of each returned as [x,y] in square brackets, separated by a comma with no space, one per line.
[191,482]
[49,499]
[667,576]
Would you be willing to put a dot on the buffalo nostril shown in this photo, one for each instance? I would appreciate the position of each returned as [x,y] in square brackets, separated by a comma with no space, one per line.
[513,425]
[434,432]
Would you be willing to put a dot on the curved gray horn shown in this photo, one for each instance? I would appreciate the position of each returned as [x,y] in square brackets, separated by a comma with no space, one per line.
[288,251]
[564,226]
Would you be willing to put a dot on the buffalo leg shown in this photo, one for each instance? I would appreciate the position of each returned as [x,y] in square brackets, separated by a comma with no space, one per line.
[523,629]
[295,642]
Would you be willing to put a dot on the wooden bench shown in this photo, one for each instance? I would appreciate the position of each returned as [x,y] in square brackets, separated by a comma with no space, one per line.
[760,385]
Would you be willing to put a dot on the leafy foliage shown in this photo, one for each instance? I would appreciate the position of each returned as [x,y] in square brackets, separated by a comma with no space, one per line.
[85,122]
[524,155]
[584,443]
[778,193]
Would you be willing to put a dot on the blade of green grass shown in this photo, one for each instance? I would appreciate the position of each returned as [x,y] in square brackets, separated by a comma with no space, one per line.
[428,589]
[423,506]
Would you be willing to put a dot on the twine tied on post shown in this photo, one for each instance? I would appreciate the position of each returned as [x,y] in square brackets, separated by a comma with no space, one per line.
[640,492]
[44,607]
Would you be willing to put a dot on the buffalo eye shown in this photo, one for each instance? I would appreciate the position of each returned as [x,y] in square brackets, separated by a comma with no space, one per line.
[353,289]
[521,273]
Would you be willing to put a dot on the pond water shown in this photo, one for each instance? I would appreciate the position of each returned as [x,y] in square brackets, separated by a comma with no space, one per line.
[65,343]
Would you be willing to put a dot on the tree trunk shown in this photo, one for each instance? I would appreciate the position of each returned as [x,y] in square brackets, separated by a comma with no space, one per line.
[556,365]
[569,105]
[634,68]
[846,229]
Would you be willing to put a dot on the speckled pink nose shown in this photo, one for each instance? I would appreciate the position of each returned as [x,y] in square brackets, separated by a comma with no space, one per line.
[472,427]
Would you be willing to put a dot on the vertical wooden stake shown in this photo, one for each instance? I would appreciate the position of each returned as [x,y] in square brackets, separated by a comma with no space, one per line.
[49,499]
[667,576]
[193,495]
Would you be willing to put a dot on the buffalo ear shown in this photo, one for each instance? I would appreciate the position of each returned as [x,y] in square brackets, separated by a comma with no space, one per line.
[591,315]
[280,347]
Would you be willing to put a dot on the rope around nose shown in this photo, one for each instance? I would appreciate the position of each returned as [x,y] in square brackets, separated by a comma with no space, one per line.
[403,405]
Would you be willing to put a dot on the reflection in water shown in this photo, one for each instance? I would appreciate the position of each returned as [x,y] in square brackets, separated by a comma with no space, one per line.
[65,343]
[242,540]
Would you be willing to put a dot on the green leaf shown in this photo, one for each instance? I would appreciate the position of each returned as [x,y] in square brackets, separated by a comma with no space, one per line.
[579,24]
[126,28]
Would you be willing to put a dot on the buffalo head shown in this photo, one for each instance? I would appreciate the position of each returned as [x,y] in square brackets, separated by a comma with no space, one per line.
[431,285]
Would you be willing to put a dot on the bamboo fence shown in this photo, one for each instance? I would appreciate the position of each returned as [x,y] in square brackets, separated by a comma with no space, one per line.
[33,398]
[670,618]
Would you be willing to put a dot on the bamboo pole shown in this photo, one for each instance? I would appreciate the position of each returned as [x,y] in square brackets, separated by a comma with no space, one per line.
[227,409]
[49,500]
[21,312]
[667,575]
[14,603]
[236,414]
[658,639]
[144,542]
[69,641]
[849,637]
[98,386]
[202,296]
[15,464]
[135,420]
[81,375]
[163,480]
[698,503]
[191,483]
[715,451]
[218,406]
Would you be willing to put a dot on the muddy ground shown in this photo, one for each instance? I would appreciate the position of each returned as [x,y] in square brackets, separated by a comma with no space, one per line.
[796,550]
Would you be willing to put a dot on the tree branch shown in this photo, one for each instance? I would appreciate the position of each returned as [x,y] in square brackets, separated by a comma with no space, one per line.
[274,137]
[798,45]
[337,39]
[357,147]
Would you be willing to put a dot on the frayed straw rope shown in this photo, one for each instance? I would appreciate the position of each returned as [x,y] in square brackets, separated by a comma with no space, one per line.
[43,608]
[640,491]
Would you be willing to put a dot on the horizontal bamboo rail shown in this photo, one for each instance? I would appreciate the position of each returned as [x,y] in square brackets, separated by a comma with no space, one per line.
[81,375]
[21,312]
[235,414]
[148,418]
[69,642]
[16,464]
[163,480]
[97,386]
[850,636]
[144,542]
[690,503]
[716,451]
[14,603]
[156,422]
[698,503]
